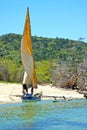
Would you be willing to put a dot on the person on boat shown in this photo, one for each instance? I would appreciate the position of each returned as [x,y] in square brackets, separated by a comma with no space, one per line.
[31,87]
[25,89]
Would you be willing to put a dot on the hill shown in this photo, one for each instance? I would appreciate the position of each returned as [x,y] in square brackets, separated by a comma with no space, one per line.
[43,48]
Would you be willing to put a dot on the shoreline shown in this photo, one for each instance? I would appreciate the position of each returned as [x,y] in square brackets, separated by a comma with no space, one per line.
[8,92]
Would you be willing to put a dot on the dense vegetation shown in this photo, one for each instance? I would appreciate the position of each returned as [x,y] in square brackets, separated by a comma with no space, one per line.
[56,59]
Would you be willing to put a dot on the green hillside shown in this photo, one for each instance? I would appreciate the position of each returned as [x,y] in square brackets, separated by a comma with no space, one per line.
[43,48]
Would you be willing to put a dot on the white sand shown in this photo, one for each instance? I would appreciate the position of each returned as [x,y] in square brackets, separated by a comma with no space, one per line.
[10,93]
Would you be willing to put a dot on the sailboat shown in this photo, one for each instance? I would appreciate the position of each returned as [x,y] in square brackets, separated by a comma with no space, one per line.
[28,60]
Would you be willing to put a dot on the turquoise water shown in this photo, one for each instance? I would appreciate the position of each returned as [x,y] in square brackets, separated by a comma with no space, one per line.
[44,115]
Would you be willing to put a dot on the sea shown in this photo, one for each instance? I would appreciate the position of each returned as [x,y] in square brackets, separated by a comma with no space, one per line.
[44,115]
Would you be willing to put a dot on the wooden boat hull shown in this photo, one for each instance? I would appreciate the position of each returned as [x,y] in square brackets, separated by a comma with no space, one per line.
[30,97]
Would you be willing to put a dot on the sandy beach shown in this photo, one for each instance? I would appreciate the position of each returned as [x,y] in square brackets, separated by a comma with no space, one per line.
[11,93]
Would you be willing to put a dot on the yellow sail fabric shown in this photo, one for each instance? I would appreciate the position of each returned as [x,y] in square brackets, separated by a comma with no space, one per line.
[27,54]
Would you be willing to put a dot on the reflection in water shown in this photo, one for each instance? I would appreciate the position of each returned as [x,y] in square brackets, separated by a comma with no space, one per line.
[44,115]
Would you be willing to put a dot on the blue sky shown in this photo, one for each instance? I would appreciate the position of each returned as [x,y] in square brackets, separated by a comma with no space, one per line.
[49,18]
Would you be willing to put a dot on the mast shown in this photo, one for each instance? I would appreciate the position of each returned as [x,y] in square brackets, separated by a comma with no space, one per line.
[27,54]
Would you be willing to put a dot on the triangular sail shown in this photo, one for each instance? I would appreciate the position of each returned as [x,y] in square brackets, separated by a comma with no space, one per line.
[27,54]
